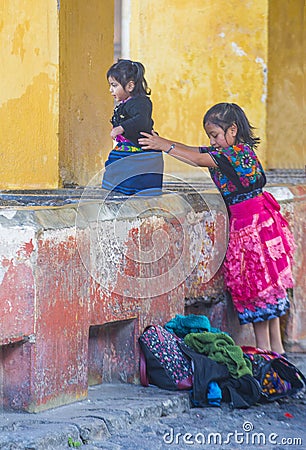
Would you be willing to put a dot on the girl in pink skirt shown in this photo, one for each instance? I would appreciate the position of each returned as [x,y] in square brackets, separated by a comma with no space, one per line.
[258,262]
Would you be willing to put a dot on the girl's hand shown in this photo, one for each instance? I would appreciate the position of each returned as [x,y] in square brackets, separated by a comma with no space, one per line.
[153,142]
[186,153]
[116,131]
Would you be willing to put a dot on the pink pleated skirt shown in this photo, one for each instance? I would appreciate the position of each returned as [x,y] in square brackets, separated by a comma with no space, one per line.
[258,263]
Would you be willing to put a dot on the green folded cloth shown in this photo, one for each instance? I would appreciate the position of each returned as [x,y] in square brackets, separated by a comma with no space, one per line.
[221,348]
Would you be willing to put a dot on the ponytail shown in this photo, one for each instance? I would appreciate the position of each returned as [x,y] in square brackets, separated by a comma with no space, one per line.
[125,71]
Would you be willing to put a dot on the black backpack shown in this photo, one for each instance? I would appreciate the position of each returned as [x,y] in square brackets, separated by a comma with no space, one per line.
[277,376]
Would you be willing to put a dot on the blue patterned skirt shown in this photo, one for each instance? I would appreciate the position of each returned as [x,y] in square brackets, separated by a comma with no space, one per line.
[266,313]
[131,173]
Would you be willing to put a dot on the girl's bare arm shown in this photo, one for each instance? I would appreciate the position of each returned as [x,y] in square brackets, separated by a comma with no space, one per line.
[185,153]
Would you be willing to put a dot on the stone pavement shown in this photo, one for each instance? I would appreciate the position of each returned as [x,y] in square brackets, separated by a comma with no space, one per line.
[122,416]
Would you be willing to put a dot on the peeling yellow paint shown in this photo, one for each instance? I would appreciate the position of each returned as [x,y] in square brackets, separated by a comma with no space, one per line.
[17,42]
[55,111]
[286,117]
[28,141]
[225,51]
[207,53]
[86,48]
[29,90]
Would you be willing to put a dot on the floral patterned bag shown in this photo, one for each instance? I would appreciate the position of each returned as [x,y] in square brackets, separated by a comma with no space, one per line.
[162,362]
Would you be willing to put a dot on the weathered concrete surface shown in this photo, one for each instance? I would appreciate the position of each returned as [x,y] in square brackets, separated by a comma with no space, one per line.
[129,417]
[79,282]
[109,409]
[296,326]
[75,298]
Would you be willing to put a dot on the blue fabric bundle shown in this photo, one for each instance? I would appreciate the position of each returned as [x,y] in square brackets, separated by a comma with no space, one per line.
[134,173]
[193,323]
[214,394]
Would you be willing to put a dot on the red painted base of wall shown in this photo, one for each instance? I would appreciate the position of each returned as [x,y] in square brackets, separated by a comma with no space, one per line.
[61,330]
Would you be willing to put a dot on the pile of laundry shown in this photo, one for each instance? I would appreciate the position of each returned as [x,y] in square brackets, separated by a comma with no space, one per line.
[188,353]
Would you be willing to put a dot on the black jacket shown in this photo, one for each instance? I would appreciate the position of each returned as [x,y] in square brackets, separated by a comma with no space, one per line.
[134,115]
[239,393]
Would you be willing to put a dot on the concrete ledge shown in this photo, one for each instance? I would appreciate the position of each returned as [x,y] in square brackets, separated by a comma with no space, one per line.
[80,280]
[110,409]
[116,413]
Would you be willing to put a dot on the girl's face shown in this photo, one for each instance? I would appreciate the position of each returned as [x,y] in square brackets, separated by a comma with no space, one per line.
[218,138]
[117,90]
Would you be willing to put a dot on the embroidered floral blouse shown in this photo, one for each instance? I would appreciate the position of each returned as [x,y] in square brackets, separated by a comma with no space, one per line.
[239,175]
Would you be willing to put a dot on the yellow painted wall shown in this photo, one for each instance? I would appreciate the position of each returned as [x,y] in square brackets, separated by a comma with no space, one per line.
[55,104]
[198,53]
[29,94]
[286,119]
[86,52]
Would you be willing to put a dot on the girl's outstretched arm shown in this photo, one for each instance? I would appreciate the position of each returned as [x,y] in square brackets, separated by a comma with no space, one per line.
[185,153]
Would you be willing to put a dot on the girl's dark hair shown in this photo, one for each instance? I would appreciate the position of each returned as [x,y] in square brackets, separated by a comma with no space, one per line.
[125,70]
[226,114]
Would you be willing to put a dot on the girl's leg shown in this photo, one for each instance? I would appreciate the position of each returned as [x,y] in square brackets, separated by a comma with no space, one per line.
[275,336]
[262,335]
